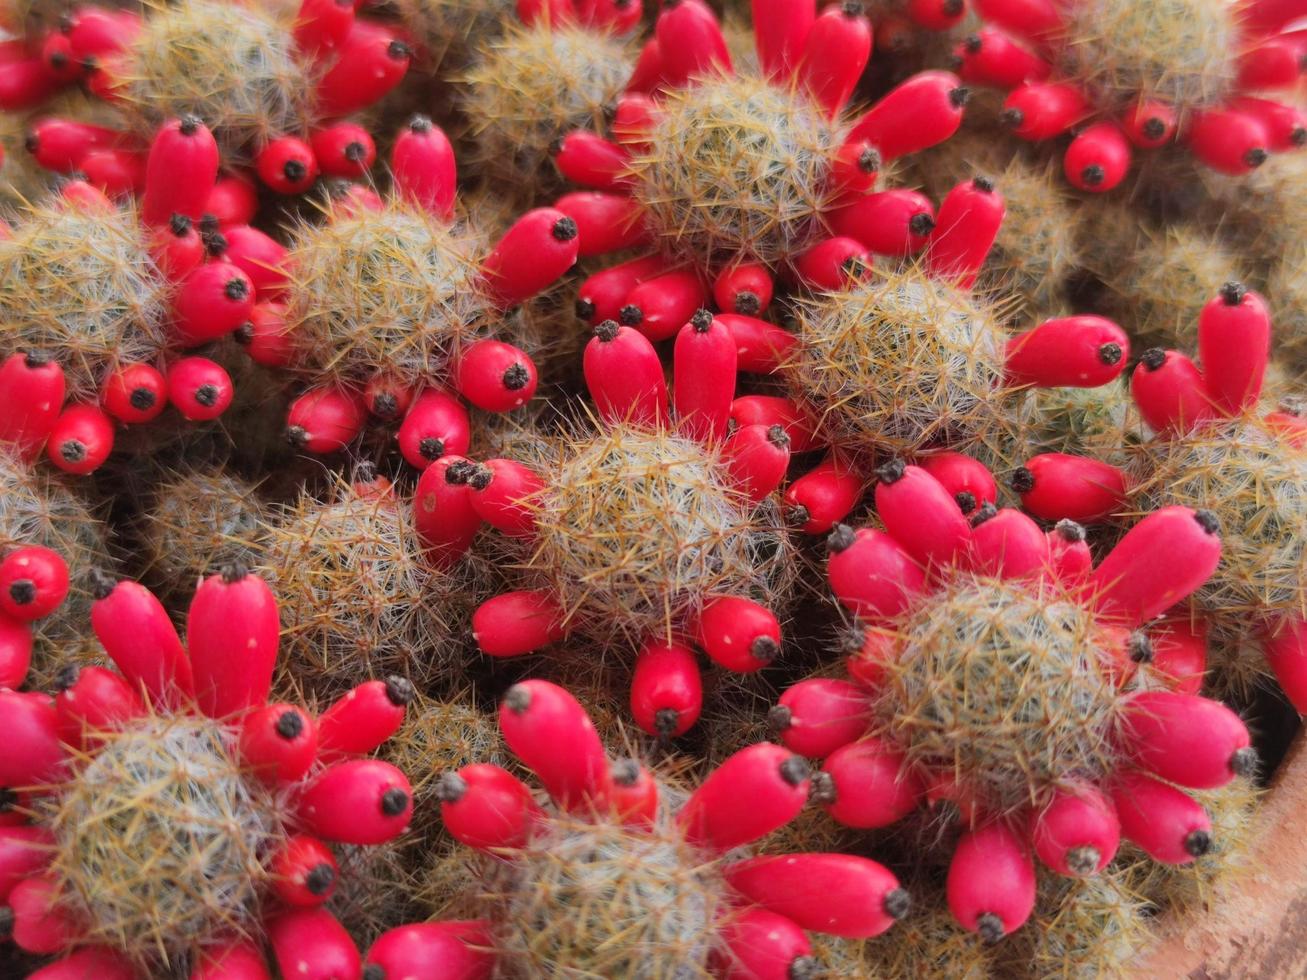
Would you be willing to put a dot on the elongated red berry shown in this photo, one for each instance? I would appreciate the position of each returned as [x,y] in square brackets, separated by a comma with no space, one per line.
[1227,140]
[1035,19]
[442,510]
[389,398]
[871,573]
[309,944]
[505,494]
[780,33]
[1149,125]
[1077,831]
[666,689]
[31,733]
[135,393]
[117,170]
[1170,392]
[363,718]
[259,256]
[279,742]
[648,73]
[233,201]
[624,376]
[15,651]
[633,118]
[303,871]
[550,12]
[855,168]
[539,247]
[515,623]
[738,633]
[322,25]
[1073,352]
[920,513]
[1007,544]
[755,791]
[606,221]
[177,247]
[1285,123]
[705,361]
[94,31]
[437,424]
[602,296]
[745,287]
[824,495]
[633,796]
[1272,63]
[816,716]
[769,410]
[137,634]
[1179,653]
[1098,158]
[894,222]
[423,165]
[761,348]
[1186,739]
[833,263]
[25,82]
[991,882]
[990,57]
[287,164]
[1164,822]
[838,894]
[549,731]
[965,228]
[658,306]
[235,959]
[38,922]
[1054,486]
[495,376]
[324,420]
[968,480]
[588,159]
[486,807]
[359,801]
[370,61]
[1234,344]
[100,962]
[344,149]
[1043,110]
[690,42]
[834,55]
[868,784]
[199,388]
[24,851]
[213,301]
[922,111]
[31,397]
[1160,561]
[179,172]
[60,144]
[232,630]
[432,949]
[762,945]
[757,456]
[33,583]
[80,440]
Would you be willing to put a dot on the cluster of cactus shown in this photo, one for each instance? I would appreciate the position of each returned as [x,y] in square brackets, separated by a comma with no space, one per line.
[484,628]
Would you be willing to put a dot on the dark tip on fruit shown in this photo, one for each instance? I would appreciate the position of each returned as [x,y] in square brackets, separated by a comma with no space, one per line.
[764,648]
[841,537]
[972,44]
[779,718]
[796,515]
[1083,860]
[73,451]
[983,513]
[804,968]
[625,772]
[1152,359]
[555,146]
[399,691]
[747,303]
[37,358]
[206,395]
[1012,118]
[630,315]
[795,770]
[420,124]
[564,229]
[1197,843]
[64,678]
[1299,136]
[990,927]
[480,477]
[897,903]
[1110,353]
[778,437]
[101,583]
[297,436]
[1244,762]
[958,97]
[431,448]
[1255,157]
[319,879]
[457,474]
[1069,531]
[1154,128]
[294,170]
[666,721]
[215,243]
[189,125]
[6,922]
[891,471]
[233,571]
[386,406]
[31,142]
[142,399]
[1208,521]
[393,802]
[450,787]
[853,267]
[851,8]
[399,51]
[290,724]
[518,699]
[1022,481]
[1140,647]
[236,289]
[1233,293]
[966,501]
[516,377]
[585,309]
[1093,175]
[209,224]
[822,789]
[921,224]
[606,331]
[701,320]
[355,152]
[373,971]
[983,184]
[951,8]
[23,591]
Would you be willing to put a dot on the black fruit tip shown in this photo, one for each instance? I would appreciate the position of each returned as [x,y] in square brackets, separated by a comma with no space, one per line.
[990,927]
[747,303]
[625,772]
[1197,843]
[215,243]
[516,377]
[764,648]
[233,571]
[420,124]
[951,8]
[31,142]
[1208,521]
[1299,136]
[958,97]
[319,879]
[6,922]
[796,515]
[355,152]
[701,320]
[1022,480]
[1244,762]
[851,8]
[450,787]
[480,477]
[385,405]
[1255,157]
[189,125]
[236,290]
[666,721]
[1069,531]
[840,538]
[393,802]
[984,512]
[779,718]
[518,699]
[430,448]
[585,309]
[294,170]
[373,971]
[869,161]
[142,399]
[1154,128]
[399,51]
[37,358]
[972,44]
[630,315]
[399,691]
[606,331]
[23,591]
[778,437]
[854,267]
[297,436]
[564,229]
[206,395]
[795,770]
[1110,353]
[65,678]
[1093,175]
[966,501]
[1083,860]
[72,451]
[1140,647]
[290,724]
[897,902]
[100,583]
[457,474]
[891,471]
[1011,118]
[983,184]
[804,968]
[921,224]
[1152,359]
[209,224]
[822,790]
[1233,293]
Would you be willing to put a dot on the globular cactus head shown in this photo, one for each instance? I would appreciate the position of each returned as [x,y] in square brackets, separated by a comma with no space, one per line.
[235,67]
[898,362]
[448,28]
[1287,288]
[736,167]
[161,841]
[599,899]
[533,85]
[1000,685]
[391,291]
[199,520]
[373,891]
[80,284]
[1256,484]
[1181,52]
[358,598]
[637,528]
